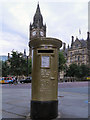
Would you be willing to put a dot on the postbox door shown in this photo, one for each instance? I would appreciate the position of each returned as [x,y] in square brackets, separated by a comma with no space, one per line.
[45,76]
[48,77]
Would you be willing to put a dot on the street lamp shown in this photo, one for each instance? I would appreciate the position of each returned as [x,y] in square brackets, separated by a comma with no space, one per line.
[27,66]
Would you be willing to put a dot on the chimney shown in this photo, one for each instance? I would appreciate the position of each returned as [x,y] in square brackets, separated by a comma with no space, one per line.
[72,39]
[88,37]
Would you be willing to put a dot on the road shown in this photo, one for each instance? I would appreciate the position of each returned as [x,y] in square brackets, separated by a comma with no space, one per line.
[72,100]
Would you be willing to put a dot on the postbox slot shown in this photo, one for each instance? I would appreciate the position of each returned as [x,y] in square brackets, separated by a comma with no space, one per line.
[45,51]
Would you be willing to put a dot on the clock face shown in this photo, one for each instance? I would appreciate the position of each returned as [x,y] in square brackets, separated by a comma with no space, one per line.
[34,33]
[41,33]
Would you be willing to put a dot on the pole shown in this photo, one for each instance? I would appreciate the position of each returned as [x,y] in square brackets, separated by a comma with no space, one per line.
[27,66]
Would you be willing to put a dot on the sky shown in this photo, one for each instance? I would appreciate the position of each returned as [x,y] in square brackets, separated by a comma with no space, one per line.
[63,19]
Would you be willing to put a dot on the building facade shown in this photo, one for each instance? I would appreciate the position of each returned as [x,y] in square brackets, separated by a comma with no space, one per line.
[37,28]
[78,52]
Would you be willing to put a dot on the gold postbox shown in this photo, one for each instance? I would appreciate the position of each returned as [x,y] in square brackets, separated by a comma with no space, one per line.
[44,102]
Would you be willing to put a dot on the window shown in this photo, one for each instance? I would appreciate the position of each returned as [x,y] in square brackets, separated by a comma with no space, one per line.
[82,51]
[67,60]
[76,52]
[78,58]
[83,58]
[70,59]
[75,58]
[76,45]
[71,53]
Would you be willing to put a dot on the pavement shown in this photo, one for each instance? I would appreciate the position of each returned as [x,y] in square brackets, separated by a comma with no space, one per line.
[72,100]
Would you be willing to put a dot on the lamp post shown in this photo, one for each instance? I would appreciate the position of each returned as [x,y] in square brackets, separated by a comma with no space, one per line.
[27,66]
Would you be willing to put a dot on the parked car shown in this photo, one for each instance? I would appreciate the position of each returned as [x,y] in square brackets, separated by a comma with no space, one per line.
[27,80]
[7,80]
[1,80]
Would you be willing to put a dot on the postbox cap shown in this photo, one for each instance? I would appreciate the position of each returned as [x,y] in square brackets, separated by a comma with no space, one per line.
[45,41]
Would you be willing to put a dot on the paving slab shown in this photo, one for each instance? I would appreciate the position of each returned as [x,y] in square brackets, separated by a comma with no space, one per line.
[7,114]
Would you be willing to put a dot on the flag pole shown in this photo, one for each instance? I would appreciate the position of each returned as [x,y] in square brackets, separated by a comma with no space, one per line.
[79,33]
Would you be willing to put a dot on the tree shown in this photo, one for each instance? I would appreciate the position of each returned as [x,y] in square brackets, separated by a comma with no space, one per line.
[79,71]
[84,71]
[72,70]
[62,62]
[5,69]
[30,66]
[18,64]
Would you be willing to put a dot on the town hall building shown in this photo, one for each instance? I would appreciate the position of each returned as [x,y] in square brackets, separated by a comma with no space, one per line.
[78,52]
[37,28]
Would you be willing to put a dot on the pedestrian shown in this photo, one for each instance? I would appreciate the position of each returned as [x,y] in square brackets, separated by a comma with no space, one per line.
[16,79]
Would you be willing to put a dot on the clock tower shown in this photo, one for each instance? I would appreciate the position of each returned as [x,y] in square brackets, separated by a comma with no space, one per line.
[37,29]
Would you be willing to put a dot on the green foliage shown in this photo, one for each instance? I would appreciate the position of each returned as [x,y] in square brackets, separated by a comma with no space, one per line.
[5,69]
[62,62]
[30,66]
[84,71]
[16,65]
[78,71]
[72,70]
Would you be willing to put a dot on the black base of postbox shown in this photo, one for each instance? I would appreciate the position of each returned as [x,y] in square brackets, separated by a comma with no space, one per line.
[44,110]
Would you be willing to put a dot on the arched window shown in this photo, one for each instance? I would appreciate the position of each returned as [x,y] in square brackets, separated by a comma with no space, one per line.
[78,58]
[75,58]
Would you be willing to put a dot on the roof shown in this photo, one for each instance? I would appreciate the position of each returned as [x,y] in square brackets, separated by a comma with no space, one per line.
[38,19]
[83,43]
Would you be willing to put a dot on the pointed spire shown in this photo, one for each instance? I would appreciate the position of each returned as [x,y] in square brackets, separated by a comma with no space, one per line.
[38,8]
[38,19]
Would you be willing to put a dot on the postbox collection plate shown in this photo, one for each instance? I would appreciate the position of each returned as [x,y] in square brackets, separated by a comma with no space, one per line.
[45,61]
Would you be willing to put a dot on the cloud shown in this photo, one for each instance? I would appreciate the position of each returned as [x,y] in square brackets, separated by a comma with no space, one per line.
[10,42]
[63,19]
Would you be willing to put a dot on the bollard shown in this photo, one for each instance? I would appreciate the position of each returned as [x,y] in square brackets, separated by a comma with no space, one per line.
[44,99]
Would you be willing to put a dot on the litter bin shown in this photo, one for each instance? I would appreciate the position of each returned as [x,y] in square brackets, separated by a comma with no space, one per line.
[44,100]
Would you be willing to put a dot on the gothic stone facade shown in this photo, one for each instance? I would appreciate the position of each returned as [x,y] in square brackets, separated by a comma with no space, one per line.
[79,52]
